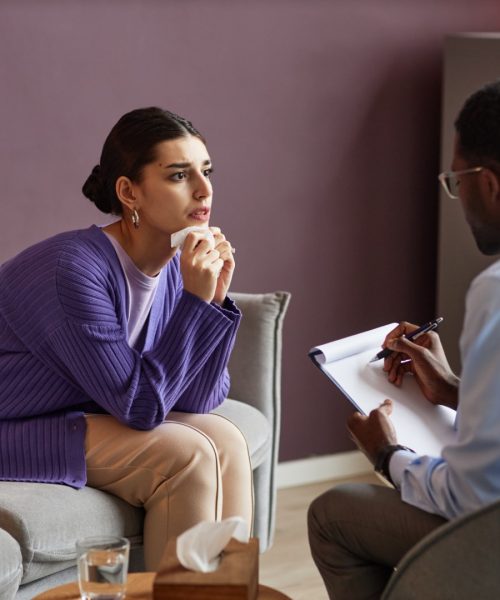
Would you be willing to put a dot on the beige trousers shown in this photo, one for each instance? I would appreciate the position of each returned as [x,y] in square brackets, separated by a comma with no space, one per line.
[191,468]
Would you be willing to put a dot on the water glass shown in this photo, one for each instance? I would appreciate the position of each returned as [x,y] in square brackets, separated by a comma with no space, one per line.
[102,567]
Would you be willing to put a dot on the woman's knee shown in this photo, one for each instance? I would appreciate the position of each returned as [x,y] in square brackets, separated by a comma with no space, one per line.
[228,437]
[173,448]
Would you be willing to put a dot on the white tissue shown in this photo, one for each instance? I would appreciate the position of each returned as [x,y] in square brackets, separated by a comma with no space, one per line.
[199,548]
[177,238]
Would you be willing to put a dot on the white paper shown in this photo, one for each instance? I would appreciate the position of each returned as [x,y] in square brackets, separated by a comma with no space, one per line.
[177,239]
[419,424]
[199,548]
[353,344]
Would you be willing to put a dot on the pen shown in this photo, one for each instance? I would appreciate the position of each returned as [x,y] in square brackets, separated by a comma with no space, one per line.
[425,328]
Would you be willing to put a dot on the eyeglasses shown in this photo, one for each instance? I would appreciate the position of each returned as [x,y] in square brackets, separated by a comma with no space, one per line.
[450,182]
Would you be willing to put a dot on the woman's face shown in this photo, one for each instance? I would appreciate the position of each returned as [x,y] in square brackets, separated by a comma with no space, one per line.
[175,190]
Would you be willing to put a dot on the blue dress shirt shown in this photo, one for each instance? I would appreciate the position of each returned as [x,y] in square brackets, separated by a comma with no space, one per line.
[467,474]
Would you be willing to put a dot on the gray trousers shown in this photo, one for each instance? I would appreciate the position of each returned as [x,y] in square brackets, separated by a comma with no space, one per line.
[358,533]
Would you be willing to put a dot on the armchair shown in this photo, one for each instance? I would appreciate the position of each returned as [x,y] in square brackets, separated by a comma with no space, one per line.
[457,561]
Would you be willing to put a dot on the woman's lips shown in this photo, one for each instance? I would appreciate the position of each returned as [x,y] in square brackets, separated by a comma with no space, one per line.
[200,214]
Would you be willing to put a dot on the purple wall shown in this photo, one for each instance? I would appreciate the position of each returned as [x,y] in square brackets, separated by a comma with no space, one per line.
[323,123]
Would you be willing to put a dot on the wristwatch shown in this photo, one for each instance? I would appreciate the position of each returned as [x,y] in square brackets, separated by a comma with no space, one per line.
[384,457]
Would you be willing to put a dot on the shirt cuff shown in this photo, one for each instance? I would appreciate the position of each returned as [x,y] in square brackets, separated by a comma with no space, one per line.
[398,463]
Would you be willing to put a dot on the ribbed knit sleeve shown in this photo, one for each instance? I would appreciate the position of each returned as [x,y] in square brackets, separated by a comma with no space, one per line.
[139,390]
[214,370]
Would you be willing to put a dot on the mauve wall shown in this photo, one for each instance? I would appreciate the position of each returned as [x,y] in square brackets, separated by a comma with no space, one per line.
[323,122]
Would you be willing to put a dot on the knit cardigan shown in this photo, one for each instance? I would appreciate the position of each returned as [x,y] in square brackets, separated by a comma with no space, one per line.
[64,350]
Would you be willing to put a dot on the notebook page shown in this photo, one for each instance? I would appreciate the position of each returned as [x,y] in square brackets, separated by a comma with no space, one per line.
[419,424]
[353,344]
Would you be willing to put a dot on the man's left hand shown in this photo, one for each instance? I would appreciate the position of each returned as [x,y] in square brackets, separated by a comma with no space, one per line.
[374,432]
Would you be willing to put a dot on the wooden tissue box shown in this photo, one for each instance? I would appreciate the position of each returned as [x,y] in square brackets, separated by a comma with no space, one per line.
[237,577]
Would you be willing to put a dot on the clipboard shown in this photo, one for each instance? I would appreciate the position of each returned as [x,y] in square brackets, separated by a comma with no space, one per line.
[419,424]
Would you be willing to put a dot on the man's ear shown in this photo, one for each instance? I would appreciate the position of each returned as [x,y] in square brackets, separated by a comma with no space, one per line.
[125,191]
[492,184]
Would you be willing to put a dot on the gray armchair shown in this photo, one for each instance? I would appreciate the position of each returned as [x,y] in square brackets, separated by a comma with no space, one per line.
[39,523]
[458,561]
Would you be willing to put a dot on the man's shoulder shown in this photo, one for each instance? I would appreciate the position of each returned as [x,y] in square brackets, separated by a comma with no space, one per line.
[488,278]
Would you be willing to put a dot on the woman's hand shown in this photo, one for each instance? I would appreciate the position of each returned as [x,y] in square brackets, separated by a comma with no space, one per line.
[201,264]
[226,253]
[425,358]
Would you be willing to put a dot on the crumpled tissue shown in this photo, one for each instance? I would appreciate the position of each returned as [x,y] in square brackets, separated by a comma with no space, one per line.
[199,548]
[177,238]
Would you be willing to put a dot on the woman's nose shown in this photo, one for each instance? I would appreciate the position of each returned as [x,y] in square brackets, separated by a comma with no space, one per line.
[203,189]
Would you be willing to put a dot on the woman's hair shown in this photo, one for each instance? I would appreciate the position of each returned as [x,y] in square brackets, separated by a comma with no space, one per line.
[129,147]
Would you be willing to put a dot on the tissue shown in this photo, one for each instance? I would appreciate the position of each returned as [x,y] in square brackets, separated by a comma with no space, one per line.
[177,238]
[199,548]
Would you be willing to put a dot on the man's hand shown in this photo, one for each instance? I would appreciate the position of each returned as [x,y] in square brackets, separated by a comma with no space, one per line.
[374,432]
[425,358]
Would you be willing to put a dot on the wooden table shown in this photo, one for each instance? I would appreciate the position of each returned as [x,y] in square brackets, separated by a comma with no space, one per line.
[139,587]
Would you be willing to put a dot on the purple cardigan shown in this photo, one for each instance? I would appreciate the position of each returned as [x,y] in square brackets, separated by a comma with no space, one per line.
[64,350]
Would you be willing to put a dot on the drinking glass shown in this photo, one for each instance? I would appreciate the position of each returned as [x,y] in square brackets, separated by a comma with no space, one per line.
[102,567]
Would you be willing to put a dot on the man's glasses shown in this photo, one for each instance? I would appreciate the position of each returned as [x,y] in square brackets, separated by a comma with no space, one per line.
[450,180]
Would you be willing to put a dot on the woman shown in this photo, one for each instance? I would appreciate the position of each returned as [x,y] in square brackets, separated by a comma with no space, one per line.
[114,346]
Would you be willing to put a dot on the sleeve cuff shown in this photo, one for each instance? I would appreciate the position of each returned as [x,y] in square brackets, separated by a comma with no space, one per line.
[228,308]
[398,463]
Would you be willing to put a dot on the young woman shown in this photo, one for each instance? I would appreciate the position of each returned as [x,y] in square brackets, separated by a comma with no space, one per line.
[114,345]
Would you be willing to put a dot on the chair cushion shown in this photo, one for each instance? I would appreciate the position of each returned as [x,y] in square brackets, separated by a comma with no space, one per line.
[253,425]
[45,519]
[11,566]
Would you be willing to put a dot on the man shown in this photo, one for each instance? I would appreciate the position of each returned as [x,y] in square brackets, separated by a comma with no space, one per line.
[358,533]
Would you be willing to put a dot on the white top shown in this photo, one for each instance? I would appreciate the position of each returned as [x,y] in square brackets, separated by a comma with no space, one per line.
[141,292]
[467,474]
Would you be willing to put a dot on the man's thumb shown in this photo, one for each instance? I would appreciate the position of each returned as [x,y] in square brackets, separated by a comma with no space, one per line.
[386,406]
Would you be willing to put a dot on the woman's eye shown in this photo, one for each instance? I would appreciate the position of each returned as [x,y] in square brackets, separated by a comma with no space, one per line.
[178,176]
[208,172]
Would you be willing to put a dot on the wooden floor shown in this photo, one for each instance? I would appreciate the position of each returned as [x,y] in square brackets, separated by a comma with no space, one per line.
[288,565]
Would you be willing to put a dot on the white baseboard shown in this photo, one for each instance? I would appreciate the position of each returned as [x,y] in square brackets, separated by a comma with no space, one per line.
[322,468]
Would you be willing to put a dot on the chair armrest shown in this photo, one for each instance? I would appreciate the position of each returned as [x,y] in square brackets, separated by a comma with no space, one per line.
[457,560]
[255,363]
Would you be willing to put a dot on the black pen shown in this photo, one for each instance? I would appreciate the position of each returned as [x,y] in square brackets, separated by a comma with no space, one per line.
[425,328]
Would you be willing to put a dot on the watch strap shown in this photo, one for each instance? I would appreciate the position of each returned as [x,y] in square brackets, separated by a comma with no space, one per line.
[383,459]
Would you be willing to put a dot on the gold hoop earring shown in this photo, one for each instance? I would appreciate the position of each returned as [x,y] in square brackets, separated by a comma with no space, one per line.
[135,218]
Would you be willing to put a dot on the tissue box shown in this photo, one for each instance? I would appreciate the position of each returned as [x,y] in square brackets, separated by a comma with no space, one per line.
[237,577]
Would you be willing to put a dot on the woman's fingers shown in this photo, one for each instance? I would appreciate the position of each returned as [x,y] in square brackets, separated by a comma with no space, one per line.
[220,240]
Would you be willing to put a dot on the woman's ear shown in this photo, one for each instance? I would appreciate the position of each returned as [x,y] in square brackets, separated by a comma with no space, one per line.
[125,192]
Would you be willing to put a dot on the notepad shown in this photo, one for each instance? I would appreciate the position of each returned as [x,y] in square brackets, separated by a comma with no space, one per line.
[419,424]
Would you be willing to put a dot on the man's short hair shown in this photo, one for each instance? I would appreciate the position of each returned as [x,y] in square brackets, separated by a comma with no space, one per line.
[478,126]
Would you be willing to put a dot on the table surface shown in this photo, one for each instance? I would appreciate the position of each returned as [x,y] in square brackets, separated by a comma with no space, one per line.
[139,587]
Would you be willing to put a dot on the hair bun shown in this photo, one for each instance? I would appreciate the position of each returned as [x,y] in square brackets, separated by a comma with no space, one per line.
[95,190]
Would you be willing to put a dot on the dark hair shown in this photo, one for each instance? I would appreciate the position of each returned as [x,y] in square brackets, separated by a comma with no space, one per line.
[130,146]
[478,126]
